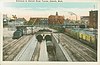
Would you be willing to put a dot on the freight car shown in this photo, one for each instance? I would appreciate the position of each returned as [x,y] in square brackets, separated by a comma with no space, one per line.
[17,34]
[83,35]
[89,37]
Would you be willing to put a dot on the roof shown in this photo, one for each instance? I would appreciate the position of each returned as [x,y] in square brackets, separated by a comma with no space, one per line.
[85,31]
[21,19]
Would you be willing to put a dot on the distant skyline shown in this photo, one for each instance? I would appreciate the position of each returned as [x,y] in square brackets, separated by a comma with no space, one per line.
[42,9]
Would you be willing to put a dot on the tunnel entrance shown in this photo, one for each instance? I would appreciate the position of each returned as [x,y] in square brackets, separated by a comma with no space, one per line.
[49,44]
[39,38]
[48,38]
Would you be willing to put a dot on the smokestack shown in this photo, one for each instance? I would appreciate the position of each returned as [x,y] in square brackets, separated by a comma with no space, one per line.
[56,13]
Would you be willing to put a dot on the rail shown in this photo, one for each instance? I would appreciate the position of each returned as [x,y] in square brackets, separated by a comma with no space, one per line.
[26,53]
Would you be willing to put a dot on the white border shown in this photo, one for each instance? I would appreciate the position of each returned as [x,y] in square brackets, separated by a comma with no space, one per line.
[47,63]
[56,0]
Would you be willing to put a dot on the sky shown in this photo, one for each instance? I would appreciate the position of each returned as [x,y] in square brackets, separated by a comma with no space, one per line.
[42,9]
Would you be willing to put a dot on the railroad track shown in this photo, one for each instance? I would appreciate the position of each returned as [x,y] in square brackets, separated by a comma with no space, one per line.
[35,56]
[32,51]
[76,49]
[66,52]
[7,41]
[10,44]
[27,51]
[12,49]
[85,49]
[79,52]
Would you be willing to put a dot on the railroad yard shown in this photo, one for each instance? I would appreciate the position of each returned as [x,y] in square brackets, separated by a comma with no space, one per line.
[51,32]
[60,47]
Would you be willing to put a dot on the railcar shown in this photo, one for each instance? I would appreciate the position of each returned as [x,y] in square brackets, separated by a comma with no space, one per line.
[51,50]
[89,37]
[17,34]
[83,35]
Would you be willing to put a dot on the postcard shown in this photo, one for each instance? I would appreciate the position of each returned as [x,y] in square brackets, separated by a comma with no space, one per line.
[49,32]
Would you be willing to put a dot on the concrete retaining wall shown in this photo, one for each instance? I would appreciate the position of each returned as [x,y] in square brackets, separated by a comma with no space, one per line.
[59,54]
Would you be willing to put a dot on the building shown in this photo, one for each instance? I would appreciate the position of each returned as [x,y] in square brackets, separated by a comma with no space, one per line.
[20,21]
[17,22]
[85,20]
[56,19]
[37,21]
[5,19]
[93,19]
[31,21]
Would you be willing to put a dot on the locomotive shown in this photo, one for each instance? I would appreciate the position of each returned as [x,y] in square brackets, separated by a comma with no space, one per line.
[17,34]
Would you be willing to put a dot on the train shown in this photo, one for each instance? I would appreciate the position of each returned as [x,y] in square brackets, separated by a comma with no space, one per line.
[17,34]
[86,36]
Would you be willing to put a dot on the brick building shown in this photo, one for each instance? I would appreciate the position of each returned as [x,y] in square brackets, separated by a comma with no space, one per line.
[93,19]
[56,19]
